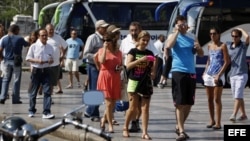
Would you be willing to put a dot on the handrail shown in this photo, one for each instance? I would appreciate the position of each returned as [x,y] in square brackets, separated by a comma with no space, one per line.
[41,14]
[204,3]
[158,9]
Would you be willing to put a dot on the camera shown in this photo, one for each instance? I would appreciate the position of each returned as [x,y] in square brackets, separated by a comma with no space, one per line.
[117,67]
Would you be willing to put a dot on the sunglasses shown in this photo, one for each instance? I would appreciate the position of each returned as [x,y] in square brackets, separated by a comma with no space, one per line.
[213,33]
[234,36]
[107,40]
[43,35]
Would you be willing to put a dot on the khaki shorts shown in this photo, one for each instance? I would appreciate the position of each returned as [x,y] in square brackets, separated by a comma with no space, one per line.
[71,65]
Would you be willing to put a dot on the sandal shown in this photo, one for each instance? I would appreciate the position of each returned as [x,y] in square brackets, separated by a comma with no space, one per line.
[177,131]
[146,137]
[182,137]
[69,87]
[125,133]
[102,125]
[210,125]
[114,122]
[59,92]
[242,118]
[216,127]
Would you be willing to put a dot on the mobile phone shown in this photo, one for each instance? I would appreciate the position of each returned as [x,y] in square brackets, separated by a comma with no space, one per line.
[220,83]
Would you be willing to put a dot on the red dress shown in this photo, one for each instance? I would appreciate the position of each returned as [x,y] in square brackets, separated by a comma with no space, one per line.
[109,80]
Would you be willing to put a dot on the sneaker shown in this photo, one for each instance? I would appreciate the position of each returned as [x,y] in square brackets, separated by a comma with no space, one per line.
[85,89]
[242,118]
[165,84]
[86,115]
[79,85]
[232,118]
[133,128]
[95,119]
[48,116]
[160,86]
[31,114]
[138,125]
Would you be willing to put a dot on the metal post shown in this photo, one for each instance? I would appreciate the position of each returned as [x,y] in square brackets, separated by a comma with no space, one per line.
[35,13]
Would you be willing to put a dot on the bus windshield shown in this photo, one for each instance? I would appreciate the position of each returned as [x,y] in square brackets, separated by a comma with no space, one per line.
[83,15]
[121,14]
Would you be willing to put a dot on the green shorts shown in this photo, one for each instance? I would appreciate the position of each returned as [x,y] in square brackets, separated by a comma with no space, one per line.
[131,85]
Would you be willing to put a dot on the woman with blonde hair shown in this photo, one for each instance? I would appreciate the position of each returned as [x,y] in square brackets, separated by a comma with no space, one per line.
[141,67]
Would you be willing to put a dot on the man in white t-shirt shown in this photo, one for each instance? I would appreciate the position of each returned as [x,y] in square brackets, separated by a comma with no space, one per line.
[59,45]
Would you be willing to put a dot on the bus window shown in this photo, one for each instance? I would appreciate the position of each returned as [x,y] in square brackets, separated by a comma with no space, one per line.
[82,15]
[118,14]
[121,14]
[225,19]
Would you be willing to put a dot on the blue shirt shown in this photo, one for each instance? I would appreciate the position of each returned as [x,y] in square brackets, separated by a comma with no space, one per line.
[182,53]
[238,58]
[74,46]
[216,61]
[12,44]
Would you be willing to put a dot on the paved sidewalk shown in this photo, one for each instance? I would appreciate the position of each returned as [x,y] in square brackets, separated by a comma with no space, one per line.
[161,123]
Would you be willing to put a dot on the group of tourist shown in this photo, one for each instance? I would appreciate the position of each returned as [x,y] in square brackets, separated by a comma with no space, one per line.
[106,57]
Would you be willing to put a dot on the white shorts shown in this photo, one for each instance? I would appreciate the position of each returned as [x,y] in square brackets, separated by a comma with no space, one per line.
[71,65]
[238,83]
[209,80]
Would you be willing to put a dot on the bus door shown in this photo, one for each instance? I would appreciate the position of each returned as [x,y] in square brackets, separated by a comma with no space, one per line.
[80,20]
[191,9]
[74,15]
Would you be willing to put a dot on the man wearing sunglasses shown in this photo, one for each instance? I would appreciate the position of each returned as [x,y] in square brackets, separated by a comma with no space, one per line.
[75,44]
[184,46]
[238,73]
[41,55]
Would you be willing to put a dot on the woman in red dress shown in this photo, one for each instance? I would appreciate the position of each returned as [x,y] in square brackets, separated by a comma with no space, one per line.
[109,61]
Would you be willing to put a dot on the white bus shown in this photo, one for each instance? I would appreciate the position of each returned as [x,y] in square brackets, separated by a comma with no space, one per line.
[202,14]
[83,14]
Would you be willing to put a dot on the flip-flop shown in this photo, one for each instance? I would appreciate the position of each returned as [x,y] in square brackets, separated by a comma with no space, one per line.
[114,122]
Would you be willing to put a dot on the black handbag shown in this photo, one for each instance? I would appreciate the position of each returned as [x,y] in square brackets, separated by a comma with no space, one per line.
[17,58]
[144,87]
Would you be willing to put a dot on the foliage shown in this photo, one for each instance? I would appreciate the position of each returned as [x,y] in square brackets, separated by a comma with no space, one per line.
[10,8]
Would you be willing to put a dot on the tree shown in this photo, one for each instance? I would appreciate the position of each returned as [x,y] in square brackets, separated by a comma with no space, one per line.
[10,8]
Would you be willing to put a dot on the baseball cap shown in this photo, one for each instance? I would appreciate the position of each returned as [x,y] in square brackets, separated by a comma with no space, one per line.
[112,28]
[101,23]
